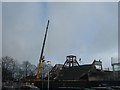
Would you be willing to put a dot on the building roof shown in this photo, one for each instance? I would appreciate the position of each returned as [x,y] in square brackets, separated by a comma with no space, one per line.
[76,72]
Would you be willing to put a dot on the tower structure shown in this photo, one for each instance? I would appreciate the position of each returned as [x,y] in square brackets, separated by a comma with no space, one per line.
[71,61]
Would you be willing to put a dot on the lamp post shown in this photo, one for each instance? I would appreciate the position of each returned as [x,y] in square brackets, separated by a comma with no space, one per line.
[48,80]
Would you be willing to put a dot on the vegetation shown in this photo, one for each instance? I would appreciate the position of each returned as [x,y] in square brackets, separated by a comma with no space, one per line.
[12,70]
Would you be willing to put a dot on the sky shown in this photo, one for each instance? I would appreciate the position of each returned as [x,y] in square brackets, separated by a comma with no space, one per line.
[88,30]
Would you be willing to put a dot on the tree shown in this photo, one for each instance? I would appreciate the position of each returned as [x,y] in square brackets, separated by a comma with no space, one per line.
[45,69]
[12,70]
[28,68]
[8,65]
[18,71]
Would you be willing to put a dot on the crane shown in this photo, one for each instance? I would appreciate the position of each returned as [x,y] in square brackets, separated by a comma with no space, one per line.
[41,59]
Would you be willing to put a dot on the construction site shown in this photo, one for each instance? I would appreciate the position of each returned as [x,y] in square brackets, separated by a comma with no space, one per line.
[72,75]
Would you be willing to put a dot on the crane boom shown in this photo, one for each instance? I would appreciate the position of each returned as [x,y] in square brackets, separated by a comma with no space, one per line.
[41,56]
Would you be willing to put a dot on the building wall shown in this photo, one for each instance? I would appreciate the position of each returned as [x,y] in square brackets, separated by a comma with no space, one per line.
[101,76]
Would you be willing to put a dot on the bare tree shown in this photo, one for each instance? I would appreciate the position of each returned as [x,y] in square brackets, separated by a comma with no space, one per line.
[28,68]
[11,69]
[7,62]
[8,65]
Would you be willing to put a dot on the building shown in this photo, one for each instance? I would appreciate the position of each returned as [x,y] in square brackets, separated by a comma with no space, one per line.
[71,70]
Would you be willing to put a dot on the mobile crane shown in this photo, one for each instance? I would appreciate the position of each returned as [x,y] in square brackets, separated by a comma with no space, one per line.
[41,60]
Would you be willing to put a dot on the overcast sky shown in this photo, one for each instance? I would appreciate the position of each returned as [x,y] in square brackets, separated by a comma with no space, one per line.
[87,30]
